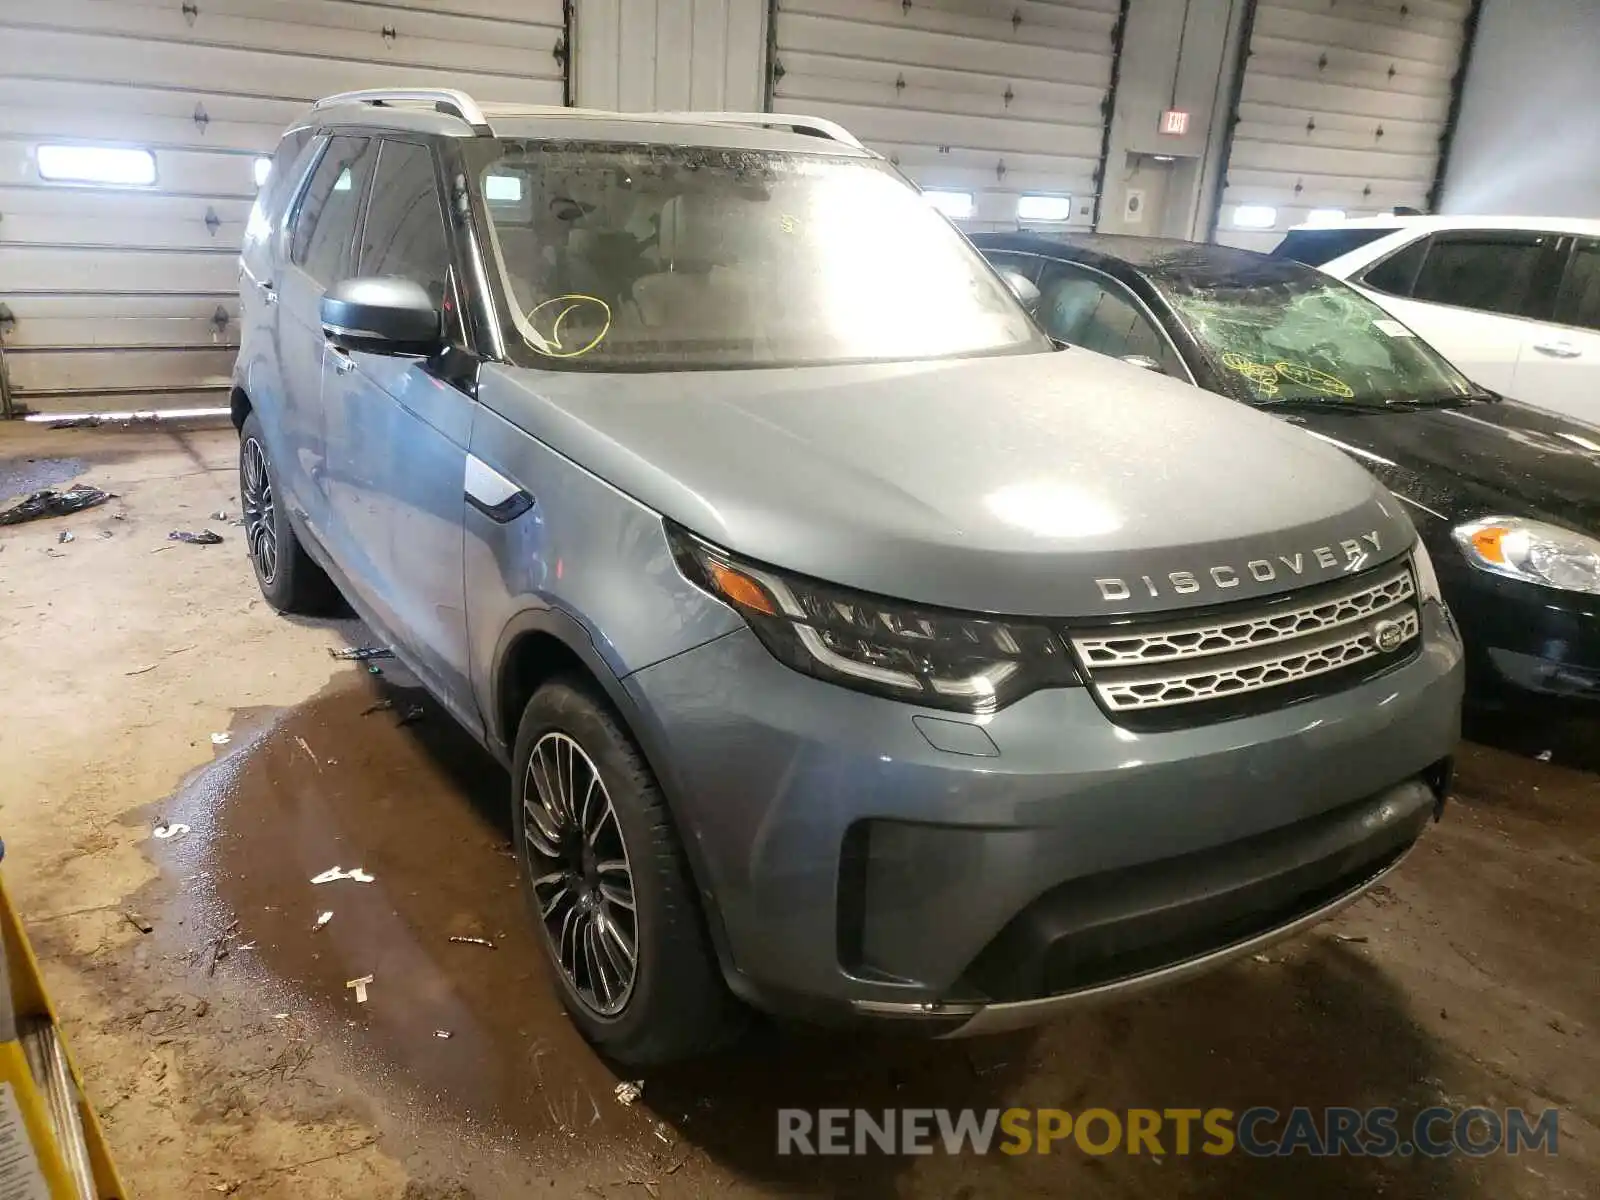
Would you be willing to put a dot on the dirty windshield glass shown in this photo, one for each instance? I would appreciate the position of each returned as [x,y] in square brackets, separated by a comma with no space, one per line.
[1276,333]
[646,257]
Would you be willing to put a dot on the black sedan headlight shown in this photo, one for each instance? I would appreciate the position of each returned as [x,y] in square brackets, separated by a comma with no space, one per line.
[927,656]
[1533,551]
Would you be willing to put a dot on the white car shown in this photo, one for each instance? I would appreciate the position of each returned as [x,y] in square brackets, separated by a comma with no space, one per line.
[1513,301]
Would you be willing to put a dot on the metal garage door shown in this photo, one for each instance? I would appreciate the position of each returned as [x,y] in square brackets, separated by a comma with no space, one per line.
[1343,106]
[123,297]
[989,99]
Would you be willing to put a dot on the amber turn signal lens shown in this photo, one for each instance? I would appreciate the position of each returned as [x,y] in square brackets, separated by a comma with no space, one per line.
[741,589]
[1486,542]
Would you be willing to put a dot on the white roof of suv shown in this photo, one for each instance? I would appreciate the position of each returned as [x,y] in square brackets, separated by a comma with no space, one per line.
[1579,226]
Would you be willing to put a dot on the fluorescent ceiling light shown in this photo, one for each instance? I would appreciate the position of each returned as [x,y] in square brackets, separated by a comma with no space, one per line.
[955,205]
[96,164]
[1044,208]
[1325,216]
[262,168]
[503,189]
[1255,216]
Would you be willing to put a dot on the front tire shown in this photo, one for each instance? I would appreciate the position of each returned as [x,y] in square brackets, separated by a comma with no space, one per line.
[608,886]
[289,579]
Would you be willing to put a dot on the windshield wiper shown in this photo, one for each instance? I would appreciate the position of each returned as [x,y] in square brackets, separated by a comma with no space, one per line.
[1327,404]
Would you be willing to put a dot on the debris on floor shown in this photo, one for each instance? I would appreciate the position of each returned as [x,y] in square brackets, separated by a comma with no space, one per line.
[52,503]
[306,746]
[322,920]
[164,830]
[137,921]
[412,715]
[334,874]
[380,706]
[443,1034]
[360,653]
[167,653]
[66,536]
[221,739]
[1544,756]
[204,538]
[220,515]
[360,986]
[473,941]
[626,1093]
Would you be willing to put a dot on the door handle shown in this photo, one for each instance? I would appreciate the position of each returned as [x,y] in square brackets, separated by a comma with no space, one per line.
[343,364]
[1558,349]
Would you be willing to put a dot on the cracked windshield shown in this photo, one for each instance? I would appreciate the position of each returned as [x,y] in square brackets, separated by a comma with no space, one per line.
[627,257]
[1275,338]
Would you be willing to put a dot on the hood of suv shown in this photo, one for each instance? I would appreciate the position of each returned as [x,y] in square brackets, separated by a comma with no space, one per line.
[1046,484]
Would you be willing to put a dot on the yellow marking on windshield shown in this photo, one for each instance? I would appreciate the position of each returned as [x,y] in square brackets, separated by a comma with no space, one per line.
[1317,381]
[550,344]
[1265,376]
[1261,375]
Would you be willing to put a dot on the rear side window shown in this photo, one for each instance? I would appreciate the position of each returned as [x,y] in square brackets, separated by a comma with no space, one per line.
[1580,293]
[1317,246]
[1509,273]
[276,188]
[325,223]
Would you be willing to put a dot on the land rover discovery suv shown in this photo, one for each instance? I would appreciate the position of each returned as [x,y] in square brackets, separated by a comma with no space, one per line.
[855,652]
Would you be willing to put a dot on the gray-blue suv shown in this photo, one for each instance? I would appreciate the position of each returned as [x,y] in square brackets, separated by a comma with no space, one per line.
[855,651]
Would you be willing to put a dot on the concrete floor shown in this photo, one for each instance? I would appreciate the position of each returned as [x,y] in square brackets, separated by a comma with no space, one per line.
[1470,979]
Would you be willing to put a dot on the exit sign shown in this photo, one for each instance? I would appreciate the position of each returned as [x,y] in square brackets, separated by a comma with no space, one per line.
[1175,121]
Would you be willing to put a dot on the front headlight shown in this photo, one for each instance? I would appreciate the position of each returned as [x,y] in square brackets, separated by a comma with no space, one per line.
[921,655]
[1533,551]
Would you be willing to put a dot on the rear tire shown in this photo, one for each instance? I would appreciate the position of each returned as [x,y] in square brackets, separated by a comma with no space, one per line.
[290,580]
[608,885]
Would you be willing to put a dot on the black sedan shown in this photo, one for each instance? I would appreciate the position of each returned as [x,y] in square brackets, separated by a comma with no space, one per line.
[1506,497]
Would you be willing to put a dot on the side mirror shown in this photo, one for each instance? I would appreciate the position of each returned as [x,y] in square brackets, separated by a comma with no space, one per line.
[1022,287]
[382,316]
[1143,360]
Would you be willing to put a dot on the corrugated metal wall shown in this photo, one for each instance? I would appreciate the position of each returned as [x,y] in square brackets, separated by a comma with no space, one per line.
[670,54]
[1343,107]
[126,297]
[988,97]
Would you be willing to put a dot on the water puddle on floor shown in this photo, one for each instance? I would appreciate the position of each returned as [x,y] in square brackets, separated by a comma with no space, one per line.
[346,781]
[20,476]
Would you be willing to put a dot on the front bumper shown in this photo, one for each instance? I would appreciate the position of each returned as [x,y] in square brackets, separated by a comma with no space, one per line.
[854,868]
[1526,641]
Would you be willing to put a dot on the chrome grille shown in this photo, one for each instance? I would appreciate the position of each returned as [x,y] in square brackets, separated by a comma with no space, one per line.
[1157,666]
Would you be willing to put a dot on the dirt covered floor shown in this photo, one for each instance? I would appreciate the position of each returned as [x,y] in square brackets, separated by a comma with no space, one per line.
[227,1055]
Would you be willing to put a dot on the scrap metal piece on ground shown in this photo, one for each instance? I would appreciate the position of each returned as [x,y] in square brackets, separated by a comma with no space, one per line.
[165,830]
[204,538]
[322,920]
[361,653]
[626,1093]
[473,941]
[360,986]
[53,503]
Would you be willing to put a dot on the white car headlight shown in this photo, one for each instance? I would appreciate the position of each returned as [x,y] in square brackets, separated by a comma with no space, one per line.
[1533,551]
